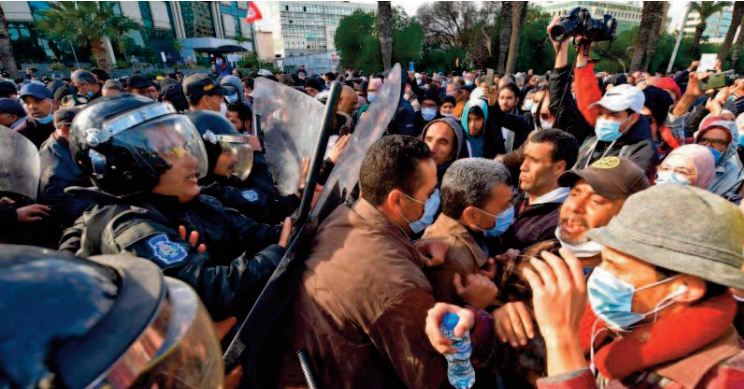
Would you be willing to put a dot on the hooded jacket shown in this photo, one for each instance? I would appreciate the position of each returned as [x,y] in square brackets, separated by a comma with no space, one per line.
[635,145]
[729,172]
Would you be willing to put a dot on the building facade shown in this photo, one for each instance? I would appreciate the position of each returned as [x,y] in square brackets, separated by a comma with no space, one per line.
[305,30]
[201,29]
[717,25]
[627,14]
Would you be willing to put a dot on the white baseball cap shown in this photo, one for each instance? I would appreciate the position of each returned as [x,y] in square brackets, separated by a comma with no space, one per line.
[621,98]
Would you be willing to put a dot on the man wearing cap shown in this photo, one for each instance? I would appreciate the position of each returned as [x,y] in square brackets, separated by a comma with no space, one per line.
[314,85]
[37,102]
[59,171]
[8,89]
[660,309]
[11,112]
[203,93]
[619,127]
[86,83]
[138,84]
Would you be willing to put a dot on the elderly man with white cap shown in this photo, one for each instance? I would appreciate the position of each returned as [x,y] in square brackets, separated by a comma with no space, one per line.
[620,130]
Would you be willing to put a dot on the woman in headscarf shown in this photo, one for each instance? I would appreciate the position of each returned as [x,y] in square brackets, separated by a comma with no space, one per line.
[688,165]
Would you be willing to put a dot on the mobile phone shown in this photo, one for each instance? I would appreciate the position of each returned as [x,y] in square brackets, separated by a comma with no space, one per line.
[716,80]
[489,77]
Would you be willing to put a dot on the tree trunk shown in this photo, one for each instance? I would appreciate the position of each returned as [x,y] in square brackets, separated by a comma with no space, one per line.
[7,60]
[695,50]
[736,18]
[641,44]
[385,26]
[519,12]
[98,49]
[737,46]
[504,34]
[657,18]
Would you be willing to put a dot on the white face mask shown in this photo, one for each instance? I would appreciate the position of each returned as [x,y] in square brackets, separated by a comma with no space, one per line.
[223,109]
[586,249]
[547,123]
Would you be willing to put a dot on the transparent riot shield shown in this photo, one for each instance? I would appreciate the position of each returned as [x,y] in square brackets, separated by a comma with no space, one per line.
[370,128]
[19,164]
[291,122]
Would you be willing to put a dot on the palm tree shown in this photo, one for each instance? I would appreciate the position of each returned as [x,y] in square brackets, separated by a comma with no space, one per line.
[736,19]
[653,37]
[705,9]
[504,34]
[648,15]
[385,25]
[7,60]
[519,11]
[94,22]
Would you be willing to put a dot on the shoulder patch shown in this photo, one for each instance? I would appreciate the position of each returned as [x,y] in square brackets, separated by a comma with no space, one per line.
[165,250]
[250,195]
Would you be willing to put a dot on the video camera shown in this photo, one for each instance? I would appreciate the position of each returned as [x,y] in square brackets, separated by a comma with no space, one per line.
[579,22]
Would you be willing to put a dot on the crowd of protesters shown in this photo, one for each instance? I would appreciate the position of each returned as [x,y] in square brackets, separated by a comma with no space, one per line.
[584,226]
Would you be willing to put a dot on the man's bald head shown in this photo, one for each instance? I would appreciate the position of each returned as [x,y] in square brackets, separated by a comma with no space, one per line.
[347,101]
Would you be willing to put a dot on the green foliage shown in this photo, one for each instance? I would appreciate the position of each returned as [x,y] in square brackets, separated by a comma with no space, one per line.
[57,66]
[535,50]
[359,46]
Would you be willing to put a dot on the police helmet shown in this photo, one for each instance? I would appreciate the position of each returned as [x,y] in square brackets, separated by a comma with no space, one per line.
[110,321]
[124,143]
[221,138]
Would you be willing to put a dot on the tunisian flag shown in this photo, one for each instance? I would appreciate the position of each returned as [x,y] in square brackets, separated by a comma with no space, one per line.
[253,13]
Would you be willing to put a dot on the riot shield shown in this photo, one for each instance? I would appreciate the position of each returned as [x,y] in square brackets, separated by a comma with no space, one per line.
[19,165]
[291,122]
[370,128]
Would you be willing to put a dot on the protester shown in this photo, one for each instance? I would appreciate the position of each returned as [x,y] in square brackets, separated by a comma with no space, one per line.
[688,165]
[139,85]
[112,88]
[448,106]
[86,84]
[240,116]
[547,154]
[476,193]
[359,315]
[11,112]
[641,342]
[721,137]
[37,102]
[8,89]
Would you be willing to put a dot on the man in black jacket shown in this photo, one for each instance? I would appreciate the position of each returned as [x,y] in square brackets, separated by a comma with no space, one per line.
[37,101]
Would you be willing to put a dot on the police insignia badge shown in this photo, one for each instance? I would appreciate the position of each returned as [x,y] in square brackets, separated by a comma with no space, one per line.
[250,195]
[165,250]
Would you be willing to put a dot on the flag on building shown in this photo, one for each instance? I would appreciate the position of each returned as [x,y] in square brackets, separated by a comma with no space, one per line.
[253,13]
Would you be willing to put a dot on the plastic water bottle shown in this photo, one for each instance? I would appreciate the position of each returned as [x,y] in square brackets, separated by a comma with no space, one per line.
[459,370]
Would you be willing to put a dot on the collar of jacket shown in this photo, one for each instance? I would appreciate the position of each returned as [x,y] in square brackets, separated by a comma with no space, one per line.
[169,206]
[668,344]
[446,226]
[376,220]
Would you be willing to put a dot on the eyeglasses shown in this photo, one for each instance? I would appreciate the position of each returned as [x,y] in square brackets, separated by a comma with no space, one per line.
[712,142]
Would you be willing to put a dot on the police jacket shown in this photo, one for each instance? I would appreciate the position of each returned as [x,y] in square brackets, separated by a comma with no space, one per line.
[240,257]
[58,172]
[262,201]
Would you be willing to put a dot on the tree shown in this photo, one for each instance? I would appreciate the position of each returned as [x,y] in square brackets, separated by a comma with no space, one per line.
[535,50]
[705,9]
[519,11]
[648,16]
[358,42]
[736,21]
[504,35]
[6,50]
[385,23]
[94,22]
[657,20]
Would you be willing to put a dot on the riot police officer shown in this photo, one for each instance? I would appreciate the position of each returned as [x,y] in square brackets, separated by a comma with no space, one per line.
[145,161]
[238,177]
[112,322]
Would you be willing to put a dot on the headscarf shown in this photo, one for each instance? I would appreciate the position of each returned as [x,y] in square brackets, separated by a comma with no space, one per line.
[702,158]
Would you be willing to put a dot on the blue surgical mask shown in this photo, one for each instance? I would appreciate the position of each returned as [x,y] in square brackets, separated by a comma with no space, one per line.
[716,154]
[428,113]
[371,96]
[607,130]
[670,177]
[431,209]
[45,120]
[503,221]
[611,299]
[89,95]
